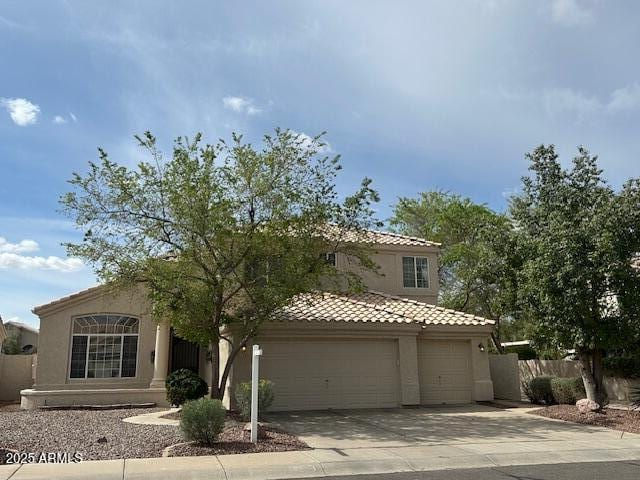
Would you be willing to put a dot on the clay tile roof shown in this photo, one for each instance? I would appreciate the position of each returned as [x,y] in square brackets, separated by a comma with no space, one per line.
[380,238]
[72,296]
[375,307]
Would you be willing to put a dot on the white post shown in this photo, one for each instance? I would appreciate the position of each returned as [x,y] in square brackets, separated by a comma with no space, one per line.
[161,359]
[255,361]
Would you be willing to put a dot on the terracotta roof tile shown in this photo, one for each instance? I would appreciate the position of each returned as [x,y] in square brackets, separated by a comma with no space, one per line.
[380,238]
[374,307]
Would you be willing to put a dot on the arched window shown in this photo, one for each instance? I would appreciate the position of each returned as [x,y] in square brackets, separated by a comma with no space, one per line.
[104,346]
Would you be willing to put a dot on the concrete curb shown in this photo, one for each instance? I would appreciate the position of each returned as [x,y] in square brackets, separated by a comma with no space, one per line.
[325,462]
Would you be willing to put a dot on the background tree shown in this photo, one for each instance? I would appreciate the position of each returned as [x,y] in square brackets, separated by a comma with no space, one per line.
[478,257]
[11,344]
[223,236]
[577,283]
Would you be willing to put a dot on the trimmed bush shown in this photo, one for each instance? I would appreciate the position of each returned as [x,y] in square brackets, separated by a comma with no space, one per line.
[539,390]
[567,391]
[202,420]
[243,397]
[183,385]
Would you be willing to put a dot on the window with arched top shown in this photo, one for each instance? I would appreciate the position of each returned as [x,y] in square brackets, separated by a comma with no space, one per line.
[104,346]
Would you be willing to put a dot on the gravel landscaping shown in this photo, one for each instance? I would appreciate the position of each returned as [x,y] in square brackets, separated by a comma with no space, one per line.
[102,435]
[625,420]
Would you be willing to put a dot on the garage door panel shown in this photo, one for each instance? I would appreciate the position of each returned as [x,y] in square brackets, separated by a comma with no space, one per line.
[445,371]
[312,374]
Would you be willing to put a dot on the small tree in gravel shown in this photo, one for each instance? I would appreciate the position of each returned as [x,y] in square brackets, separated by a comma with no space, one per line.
[202,420]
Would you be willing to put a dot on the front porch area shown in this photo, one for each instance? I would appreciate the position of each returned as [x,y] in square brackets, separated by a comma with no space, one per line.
[170,353]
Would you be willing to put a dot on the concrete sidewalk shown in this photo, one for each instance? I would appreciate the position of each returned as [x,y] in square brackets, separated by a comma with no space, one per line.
[328,462]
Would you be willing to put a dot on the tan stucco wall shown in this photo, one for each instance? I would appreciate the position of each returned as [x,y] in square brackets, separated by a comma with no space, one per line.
[15,375]
[388,279]
[505,376]
[32,399]
[55,341]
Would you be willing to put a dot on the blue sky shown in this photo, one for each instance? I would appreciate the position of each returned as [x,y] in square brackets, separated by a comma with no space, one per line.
[417,95]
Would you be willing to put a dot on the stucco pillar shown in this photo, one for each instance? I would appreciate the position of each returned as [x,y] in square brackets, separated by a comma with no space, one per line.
[161,360]
[409,381]
[482,384]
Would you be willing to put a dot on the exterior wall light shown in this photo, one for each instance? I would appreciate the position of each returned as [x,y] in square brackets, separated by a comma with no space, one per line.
[481,347]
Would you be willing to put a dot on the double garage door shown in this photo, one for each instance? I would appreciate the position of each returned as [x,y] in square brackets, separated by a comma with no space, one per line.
[311,374]
[316,374]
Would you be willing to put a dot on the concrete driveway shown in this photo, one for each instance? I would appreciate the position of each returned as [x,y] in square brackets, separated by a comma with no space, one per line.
[469,429]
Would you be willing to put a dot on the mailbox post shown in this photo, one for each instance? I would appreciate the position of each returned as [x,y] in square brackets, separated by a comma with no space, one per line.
[255,362]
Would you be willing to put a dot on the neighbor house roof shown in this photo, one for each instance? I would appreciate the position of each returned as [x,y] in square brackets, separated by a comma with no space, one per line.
[375,307]
[377,237]
[22,326]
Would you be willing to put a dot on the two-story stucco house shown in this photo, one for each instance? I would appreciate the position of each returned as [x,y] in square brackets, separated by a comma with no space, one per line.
[390,346]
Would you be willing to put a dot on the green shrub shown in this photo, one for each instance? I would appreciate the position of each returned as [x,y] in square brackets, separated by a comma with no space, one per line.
[539,390]
[567,391]
[202,420]
[183,385]
[243,397]
[625,367]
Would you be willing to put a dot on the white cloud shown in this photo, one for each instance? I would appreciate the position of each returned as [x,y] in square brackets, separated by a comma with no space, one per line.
[624,99]
[21,247]
[307,142]
[59,120]
[11,258]
[22,111]
[571,13]
[241,105]
[73,117]
[22,262]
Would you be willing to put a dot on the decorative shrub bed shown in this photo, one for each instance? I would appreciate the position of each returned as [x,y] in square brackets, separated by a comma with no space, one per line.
[548,390]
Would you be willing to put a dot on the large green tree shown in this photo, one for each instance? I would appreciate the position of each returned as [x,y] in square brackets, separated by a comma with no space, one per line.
[223,236]
[580,236]
[478,256]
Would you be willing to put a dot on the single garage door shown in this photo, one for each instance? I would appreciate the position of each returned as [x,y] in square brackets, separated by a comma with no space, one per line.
[445,371]
[316,374]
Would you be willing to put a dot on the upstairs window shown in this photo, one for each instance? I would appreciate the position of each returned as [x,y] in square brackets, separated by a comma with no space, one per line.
[330,258]
[415,272]
[104,346]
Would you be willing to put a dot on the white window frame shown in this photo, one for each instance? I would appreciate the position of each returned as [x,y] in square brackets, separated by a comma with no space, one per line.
[328,256]
[415,271]
[89,335]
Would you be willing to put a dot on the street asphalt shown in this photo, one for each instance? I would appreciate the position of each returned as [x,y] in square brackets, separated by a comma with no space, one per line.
[629,470]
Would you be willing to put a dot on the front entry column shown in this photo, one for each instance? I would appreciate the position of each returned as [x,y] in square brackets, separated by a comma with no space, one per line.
[161,360]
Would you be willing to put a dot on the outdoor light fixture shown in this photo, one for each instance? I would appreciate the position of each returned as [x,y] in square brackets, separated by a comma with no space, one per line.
[244,348]
[481,347]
